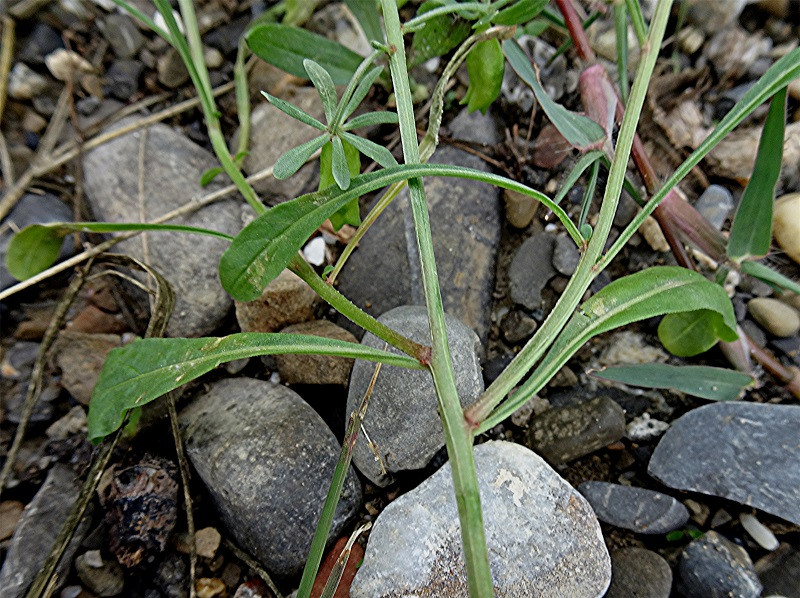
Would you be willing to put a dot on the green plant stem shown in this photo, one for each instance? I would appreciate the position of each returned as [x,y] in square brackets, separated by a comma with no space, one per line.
[621,30]
[479,412]
[242,98]
[635,10]
[458,438]
[413,24]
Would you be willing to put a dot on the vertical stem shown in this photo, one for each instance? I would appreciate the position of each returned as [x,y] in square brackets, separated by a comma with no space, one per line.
[458,436]
[575,28]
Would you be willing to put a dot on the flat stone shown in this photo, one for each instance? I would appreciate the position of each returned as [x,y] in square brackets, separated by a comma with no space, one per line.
[567,433]
[531,269]
[267,459]
[316,369]
[714,567]
[122,78]
[32,209]
[102,577]
[542,536]
[639,573]
[565,255]
[715,203]
[465,221]
[171,176]
[402,419]
[36,532]
[287,300]
[81,356]
[122,34]
[744,452]
[637,509]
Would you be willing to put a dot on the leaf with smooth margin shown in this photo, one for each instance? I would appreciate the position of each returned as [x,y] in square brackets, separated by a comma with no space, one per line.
[339,166]
[690,333]
[361,91]
[368,16]
[145,369]
[371,119]
[706,382]
[371,149]
[770,276]
[294,111]
[323,83]
[293,160]
[36,247]
[519,12]
[286,47]
[751,231]
[580,131]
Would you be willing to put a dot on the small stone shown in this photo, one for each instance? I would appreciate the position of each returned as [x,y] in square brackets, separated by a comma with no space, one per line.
[171,575]
[314,251]
[336,22]
[64,64]
[517,326]
[774,315]
[713,16]
[80,357]
[10,514]
[286,300]
[565,255]
[25,83]
[520,208]
[122,34]
[209,587]
[213,58]
[74,422]
[651,232]
[786,225]
[316,369]
[715,203]
[530,270]
[628,347]
[261,451]
[32,122]
[779,572]
[206,542]
[402,419]
[637,509]
[172,71]
[643,428]
[691,39]
[539,531]
[737,451]
[107,579]
[534,406]
[122,78]
[639,573]
[41,41]
[567,433]
[713,566]
[758,531]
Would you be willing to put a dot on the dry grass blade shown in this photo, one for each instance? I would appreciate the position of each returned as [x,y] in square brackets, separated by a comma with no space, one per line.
[338,568]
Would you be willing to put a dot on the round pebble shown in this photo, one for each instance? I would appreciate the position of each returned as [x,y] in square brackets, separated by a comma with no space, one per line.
[786,225]
[775,316]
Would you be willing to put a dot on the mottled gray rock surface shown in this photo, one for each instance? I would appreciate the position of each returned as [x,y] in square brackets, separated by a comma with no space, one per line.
[267,459]
[714,567]
[566,433]
[316,369]
[531,269]
[745,452]
[639,573]
[542,536]
[402,418]
[171,177]
[41,523]
[465,219]
[780,576]
[637,509]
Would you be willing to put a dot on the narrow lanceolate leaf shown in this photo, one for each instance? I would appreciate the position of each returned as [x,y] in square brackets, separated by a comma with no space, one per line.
[36,247]
[580,131]
[367,15]
[349,214]
[286,47]
[341,173]
[690,333]
[752,226]
[294,111]
[291,161]
[209,175]
[371,119]
[519,12]
[371,149]
[361,91]
[324,85]
[714,384]
[144,370]
[770,276]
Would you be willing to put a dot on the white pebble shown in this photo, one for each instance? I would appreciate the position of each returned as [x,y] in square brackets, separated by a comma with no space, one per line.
[759,532]
[315,251]
[644,428]
[64,63]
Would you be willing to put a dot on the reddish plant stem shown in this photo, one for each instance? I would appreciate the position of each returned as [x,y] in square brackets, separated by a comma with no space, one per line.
[663,213]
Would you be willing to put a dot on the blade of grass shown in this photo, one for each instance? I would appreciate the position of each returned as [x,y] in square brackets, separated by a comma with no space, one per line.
[621,30]
[637,19]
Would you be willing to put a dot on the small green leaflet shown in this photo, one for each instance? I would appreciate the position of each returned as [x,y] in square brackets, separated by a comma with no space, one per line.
[770,276]
[349,214]
[485,66]
[520,11]
[690,333]
[751,231]
[146,369]
[706,382]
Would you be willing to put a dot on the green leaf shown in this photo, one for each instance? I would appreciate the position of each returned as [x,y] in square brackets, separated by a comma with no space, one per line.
[536,27]
[209,175]
[294,112]
[770,276]
[370,119]
[299,11]
[339,166]
[291,161]
[349,214]
[360,92]
[367,14]
[751,230]
[519,12]
[36,247]
[485,65]
[585,161]
[371,149]
[690,333]
[142,371]
[286,47]
[714,384]
[324,85]
[438,35]
[580,131]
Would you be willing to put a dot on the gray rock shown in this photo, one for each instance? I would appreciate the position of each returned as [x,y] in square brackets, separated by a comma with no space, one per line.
[714,567]
[41,41]
[745,452]
[530,270]
[171,175]
[639,573]
[715,203]
[81,356]
[32,209]
[272,134]
[24,83]
[402,419]
[542,536]
[567,433]
[465,221]
[41,523]
[122,78]
[171,69]
[267,459]
[102,577]
[316,369]
[565,255]
[518,326]
[637,509]
[122,34]
[780,571]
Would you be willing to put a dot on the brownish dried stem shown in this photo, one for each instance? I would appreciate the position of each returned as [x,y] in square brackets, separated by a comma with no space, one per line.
[575,26]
